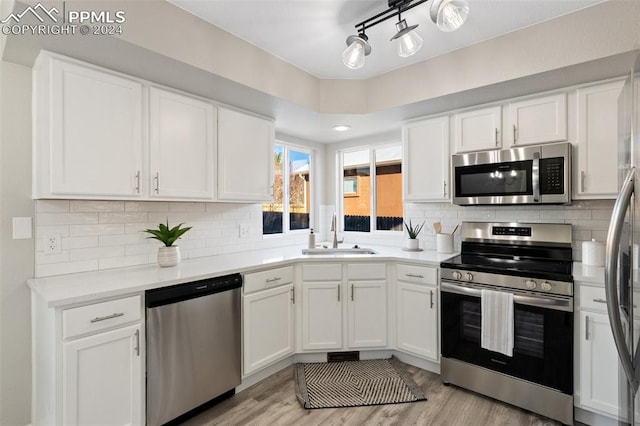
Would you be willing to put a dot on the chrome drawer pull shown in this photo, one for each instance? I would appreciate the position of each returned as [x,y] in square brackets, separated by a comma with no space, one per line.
[108,317]
[271,280]
[600,300]
[414,275]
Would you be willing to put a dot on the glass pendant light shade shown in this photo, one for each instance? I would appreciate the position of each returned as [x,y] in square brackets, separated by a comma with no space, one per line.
[357,48]
[449,15]
[408,40]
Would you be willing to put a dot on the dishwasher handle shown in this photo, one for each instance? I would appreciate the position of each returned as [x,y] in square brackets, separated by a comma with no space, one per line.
[191,290]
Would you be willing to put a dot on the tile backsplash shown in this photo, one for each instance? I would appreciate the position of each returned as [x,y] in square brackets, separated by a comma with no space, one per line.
[99,235]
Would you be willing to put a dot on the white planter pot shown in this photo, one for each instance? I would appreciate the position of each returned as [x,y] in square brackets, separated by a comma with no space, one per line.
[413,243]
[168,256]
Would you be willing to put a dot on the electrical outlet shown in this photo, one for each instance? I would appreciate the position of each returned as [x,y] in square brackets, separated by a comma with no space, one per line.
[244,230]
[52,244]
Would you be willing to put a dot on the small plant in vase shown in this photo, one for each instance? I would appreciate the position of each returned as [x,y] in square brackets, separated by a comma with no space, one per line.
[168,255]
[413,243]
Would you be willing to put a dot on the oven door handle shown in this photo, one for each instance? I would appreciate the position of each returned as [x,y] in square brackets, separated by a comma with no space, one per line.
[620,207]
[546,302]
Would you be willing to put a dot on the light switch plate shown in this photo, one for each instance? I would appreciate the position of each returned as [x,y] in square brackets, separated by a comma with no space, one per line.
[22,228]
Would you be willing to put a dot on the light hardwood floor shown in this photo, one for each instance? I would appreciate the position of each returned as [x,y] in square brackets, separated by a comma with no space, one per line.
[273,402]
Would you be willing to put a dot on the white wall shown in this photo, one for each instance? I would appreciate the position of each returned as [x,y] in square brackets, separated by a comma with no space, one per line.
[17,260]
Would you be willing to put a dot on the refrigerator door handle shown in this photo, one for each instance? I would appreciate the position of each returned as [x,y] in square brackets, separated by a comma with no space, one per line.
[611,278]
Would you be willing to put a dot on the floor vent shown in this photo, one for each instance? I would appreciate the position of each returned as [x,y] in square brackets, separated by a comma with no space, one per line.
[343,356]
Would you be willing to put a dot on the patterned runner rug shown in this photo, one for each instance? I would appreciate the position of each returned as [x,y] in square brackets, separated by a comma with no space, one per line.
[354,383]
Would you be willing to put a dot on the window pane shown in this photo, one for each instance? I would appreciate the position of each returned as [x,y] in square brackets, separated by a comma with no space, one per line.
[272,212]
[357,203]
[299,190]
[389,189]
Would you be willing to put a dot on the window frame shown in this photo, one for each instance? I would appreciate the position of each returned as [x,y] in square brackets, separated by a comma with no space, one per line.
[286,220]
[372,192]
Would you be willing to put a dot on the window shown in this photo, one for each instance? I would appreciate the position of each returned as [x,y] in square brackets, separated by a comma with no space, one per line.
[290,208]
[372,201]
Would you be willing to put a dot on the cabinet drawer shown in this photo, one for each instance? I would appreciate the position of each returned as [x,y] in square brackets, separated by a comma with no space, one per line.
[418,274]
[91,318]
[267,279]
[366,271]
[321,272]
[592,298]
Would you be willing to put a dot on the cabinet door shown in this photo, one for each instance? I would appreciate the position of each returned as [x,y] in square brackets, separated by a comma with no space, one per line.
[478,129]
[367,314]
[95,133]
[596,174]
[598,364]
[245,156]
[417,319]
[426,143]
[268,327]
[102,379]
[321,315]
[182,142]
[538,120]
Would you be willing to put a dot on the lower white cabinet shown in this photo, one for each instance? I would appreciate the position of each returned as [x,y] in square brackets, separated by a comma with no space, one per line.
[102,378]
[417,311]
[322,315]
[268,318]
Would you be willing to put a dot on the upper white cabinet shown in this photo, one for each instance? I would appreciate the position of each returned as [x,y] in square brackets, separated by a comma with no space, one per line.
[596,168]
[245,156]
[181,146]
[539,120]
[478,129]
[426,142]
[88,136]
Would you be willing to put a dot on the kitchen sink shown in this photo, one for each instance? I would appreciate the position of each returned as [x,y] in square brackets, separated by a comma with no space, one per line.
[343,250]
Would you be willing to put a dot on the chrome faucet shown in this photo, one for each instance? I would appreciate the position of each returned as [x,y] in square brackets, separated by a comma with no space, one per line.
[334,229]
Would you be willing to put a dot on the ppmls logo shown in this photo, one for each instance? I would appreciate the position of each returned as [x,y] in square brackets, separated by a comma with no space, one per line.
[33,11]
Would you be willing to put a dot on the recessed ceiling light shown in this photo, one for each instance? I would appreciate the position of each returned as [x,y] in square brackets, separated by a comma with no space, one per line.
[341,128]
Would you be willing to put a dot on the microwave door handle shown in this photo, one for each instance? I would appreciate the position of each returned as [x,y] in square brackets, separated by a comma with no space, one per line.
[535,177]
[611,278]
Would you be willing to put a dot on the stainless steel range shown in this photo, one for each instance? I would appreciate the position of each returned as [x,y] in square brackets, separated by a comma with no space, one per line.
[533,263]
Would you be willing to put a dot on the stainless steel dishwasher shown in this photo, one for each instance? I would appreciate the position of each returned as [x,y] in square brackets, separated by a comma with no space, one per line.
[193,347]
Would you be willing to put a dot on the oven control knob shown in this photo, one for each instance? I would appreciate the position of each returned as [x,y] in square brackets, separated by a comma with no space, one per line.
[545,286]
[531,284]
[469,276]
[457,275]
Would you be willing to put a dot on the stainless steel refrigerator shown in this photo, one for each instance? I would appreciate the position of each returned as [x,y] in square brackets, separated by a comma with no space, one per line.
[622,278]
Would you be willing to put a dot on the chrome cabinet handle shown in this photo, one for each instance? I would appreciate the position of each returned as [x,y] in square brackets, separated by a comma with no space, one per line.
[157,179]
[352,292]
[444,188]
[586,327]
[581,180]
[515,138]
[338,292]
[415,275]
[108,317]
[137,343]
[600,300]
[138,182]
[496,136]
[271,280]
[431,298]
[293,295]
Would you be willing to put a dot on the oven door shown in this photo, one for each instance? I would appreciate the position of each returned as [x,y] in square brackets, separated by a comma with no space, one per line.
[543,335]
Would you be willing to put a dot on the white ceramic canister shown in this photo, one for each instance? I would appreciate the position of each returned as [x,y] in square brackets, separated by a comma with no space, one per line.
[593,253]
[444,243]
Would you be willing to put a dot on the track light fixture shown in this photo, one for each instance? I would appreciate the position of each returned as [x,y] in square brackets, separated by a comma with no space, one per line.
[448,15]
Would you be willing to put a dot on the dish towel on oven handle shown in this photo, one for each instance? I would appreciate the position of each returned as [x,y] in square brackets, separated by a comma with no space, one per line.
[497,321]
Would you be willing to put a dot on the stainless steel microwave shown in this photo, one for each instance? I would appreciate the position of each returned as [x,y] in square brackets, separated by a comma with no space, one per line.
[538,174]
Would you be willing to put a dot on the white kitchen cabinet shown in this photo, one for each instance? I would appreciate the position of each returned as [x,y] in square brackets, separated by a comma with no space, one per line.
[268,318]
[103,378]
[417,311]
[322,315]
[478,129]
[538,120]
[245,156]
[426,142]
[596,168]
[88,363]
[367,314]
[181,146]
[88,136]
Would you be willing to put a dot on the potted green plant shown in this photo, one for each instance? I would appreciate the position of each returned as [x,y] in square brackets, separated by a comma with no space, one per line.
[413,243]
[168,255]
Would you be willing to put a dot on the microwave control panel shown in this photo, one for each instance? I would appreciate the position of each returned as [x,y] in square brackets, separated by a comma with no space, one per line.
[552,175]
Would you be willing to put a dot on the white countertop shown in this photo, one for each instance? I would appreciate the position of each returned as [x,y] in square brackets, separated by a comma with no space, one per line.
[84,287]
[588,274]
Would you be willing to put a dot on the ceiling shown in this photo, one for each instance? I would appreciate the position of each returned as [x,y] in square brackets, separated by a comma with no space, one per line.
[311,34]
